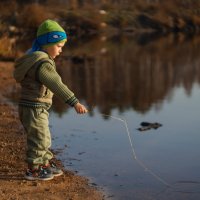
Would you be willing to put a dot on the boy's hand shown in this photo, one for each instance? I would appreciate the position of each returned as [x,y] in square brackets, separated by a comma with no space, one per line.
[80,109]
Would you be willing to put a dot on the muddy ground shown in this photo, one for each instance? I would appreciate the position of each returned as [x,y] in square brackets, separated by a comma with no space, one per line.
[12,157]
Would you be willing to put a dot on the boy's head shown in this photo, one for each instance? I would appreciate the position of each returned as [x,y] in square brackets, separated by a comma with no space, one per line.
[49,34]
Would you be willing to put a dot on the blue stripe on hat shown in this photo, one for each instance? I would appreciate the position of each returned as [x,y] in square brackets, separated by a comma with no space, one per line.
[48,38]
[51,37]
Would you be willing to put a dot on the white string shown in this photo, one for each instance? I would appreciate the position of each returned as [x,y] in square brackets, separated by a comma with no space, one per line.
[134,153]
[140,162]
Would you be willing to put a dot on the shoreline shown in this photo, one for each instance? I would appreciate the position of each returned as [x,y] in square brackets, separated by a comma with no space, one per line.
[12,148]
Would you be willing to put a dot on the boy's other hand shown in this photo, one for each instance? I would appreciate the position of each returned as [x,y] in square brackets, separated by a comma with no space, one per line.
[80,109]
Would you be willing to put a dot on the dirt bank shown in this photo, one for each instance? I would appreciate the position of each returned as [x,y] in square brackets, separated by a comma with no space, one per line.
[12,150]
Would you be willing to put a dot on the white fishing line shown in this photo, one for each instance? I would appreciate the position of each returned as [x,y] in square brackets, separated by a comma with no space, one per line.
[140,162]
[144,166]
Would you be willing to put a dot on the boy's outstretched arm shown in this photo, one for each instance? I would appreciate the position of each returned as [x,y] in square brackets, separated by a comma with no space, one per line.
[51,79]
[80,109]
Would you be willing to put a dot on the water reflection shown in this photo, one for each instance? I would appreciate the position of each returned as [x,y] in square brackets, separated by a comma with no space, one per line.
[133,80]
[125,73]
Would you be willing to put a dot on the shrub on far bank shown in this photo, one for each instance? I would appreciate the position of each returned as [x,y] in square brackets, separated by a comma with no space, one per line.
[79,23]
[121,19]
[32,15]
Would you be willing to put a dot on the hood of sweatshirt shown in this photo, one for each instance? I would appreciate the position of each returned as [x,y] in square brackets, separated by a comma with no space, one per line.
[24,64]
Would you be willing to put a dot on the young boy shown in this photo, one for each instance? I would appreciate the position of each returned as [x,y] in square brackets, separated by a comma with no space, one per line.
[36,72]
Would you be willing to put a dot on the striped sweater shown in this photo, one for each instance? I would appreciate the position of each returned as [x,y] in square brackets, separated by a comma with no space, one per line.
[40,81]
[50,78]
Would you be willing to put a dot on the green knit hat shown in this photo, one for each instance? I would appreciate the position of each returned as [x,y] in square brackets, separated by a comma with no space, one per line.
[49,26]
[49,33]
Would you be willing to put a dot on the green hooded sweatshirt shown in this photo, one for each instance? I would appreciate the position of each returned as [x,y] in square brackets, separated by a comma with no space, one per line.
[36,72]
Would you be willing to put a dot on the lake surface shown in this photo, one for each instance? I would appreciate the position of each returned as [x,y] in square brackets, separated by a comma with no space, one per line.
[126,81]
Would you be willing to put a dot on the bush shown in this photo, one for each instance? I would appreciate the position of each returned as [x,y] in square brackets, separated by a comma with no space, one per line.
[79,24]
[120,19]
[33,15]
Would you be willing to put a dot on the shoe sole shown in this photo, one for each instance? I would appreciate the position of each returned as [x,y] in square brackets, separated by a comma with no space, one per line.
[37,178]
[58,174]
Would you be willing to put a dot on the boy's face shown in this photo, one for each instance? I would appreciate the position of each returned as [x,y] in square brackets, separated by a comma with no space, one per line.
[54,50]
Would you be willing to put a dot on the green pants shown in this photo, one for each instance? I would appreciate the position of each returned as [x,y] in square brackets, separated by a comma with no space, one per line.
[36,124]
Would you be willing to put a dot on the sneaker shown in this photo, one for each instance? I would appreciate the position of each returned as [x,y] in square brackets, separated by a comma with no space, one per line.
[38,174]
[52,168]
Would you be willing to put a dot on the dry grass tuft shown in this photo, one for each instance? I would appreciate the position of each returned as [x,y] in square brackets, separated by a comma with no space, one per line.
[6,46]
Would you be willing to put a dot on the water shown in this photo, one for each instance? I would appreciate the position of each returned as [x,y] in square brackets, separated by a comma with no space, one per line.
[130,80]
